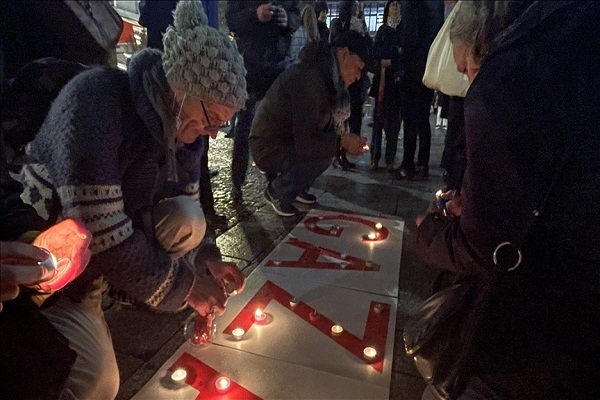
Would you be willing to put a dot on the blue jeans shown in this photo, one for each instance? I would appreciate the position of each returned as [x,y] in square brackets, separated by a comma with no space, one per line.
[296,176]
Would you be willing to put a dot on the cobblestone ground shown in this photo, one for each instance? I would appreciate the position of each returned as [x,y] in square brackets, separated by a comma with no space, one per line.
[144,340]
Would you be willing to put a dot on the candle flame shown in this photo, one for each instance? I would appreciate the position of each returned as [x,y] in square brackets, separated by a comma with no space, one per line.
[179,374]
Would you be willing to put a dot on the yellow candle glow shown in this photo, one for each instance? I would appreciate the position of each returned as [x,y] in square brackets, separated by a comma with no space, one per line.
[372,236]
[379,226]
[179,375]
[337,329]
[370,352]
[222,384]
[238,333]
[259,316]
[366,147]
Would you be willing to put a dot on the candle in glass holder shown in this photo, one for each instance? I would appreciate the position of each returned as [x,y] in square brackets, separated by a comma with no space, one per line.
[379,226]
[222,384]
[372,236]
[336,330]
[259,316]
[370,353]
[179,375]
[238,333]
[294,302]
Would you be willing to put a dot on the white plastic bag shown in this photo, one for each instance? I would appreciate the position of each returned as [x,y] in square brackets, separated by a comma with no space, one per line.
[441,73]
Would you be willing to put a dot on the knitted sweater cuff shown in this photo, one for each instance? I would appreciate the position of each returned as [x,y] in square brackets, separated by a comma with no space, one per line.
[176,299]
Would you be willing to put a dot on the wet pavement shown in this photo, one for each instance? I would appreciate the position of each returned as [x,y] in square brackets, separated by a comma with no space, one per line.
[144,340]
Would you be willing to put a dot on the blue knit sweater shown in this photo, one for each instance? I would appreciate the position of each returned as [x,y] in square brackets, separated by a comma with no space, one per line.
[102,156]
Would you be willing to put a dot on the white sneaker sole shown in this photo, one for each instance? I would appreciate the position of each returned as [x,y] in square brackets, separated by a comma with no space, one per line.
[304,201]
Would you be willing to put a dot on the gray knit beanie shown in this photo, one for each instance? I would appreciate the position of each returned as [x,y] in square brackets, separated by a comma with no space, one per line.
[202,61]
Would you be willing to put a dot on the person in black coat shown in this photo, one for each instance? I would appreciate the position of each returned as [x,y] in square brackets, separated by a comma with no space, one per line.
[387,52]
[263,30]
[533,154]
[421,21]
[321,9]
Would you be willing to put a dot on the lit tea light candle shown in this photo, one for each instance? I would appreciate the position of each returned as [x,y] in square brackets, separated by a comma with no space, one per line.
[366,147]
[222,384]
[238,333]
[372,236]
[259,316]
[337,329]
[379,226]
[294,302]
[370,353]
[179,375]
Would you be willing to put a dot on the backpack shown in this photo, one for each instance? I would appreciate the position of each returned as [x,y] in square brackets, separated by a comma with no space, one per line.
[26,100]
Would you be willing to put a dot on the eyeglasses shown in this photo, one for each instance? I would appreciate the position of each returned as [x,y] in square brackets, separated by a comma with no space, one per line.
[210,126]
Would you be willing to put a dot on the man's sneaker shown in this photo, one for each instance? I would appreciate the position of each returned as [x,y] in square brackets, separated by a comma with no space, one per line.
[285,210]
[306,198]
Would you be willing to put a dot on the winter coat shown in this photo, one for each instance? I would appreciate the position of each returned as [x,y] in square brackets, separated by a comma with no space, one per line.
[294,119]
[387,46]
[533,102]
[421,21]
[263,45]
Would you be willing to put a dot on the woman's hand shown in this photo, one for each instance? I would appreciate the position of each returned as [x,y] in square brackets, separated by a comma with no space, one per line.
[207,297]
[68,240]
[227,274]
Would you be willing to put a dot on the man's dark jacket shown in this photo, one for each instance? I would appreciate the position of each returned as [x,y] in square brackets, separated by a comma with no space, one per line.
[294,120]
[263,45]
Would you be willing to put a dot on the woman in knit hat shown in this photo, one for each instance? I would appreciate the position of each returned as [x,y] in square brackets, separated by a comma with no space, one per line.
[120,151]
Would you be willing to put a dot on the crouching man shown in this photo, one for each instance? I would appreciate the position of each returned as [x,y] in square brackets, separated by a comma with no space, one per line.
[293,136]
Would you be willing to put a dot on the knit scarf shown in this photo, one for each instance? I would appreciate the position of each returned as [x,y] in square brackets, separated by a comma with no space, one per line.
[358,25]
[341,112]
[159,94]
[393,22]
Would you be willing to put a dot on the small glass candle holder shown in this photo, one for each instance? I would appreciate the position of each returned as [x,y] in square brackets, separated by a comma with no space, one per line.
[294,302]
[238,333]
[223,384]
[179,375]
[337,330]
[198,329]
[259,316]
[370,353]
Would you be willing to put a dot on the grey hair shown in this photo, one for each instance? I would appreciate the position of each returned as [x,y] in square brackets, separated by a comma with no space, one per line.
[478,23]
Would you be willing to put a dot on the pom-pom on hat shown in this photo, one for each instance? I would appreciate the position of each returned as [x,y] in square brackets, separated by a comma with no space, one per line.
[202,61]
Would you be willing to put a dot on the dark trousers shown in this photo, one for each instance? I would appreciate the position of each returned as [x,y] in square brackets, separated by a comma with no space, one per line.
[386,117]
[296,176]
[415,115]
[454,157]
[240,155]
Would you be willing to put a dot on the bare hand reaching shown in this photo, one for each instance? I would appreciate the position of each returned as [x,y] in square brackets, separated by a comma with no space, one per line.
[354,144]
[207,297]
[265,12]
